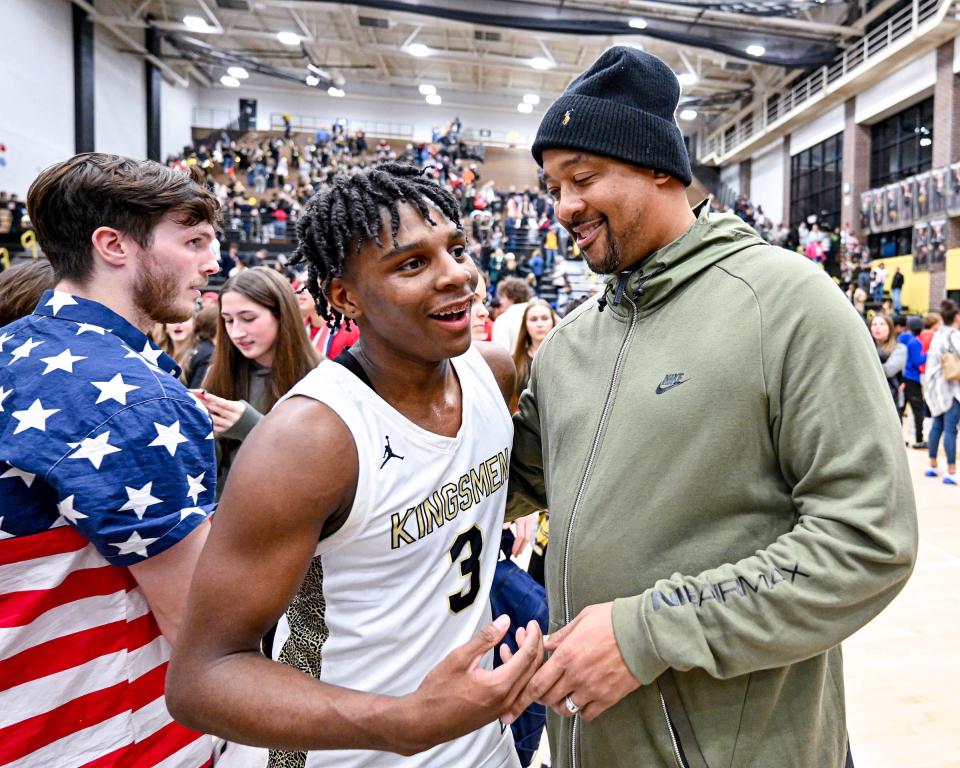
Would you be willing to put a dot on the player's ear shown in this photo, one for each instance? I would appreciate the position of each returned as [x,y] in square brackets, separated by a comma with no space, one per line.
[341,296]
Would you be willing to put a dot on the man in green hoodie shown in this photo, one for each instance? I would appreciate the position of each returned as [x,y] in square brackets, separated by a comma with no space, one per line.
[715,441]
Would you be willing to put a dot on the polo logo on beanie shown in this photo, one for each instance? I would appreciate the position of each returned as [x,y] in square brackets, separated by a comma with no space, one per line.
[625,104]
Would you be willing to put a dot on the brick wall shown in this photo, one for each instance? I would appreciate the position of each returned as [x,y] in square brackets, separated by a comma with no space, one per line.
[856,167]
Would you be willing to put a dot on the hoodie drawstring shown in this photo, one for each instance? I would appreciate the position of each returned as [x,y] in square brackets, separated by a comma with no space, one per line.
[622,280]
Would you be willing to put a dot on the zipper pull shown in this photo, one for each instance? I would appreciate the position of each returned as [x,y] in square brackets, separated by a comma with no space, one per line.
[622,286]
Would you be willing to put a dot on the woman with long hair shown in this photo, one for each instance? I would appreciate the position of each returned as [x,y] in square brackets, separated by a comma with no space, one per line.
[261,352]
[537,321]
[190,344]
[893,354]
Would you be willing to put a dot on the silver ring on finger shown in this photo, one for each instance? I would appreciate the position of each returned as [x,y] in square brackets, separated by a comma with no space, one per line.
[571,707]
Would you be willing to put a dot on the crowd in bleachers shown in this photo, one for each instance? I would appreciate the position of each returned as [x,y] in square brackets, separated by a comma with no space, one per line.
[264,182]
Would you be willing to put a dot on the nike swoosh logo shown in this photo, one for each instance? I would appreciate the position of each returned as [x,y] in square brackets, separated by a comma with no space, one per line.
[661,388]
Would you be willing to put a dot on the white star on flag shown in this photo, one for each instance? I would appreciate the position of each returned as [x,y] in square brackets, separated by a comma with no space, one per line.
[94,448]
[114,389]
[4,338]
[196,486]
[24,350]
[168,437]
[134,545]
[59,300]
[4,394]
[210,436]
[66,509]
[27,477]
[3,533]
[62,362]
[35,417]
[187,511]
[139,499]
[89,327]
[148,354]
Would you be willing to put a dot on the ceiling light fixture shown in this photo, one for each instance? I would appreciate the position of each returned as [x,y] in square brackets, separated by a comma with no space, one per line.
[538,62]
[238,72]
[687,78]
[434,99]
[756,50]
[531,98]
[288,38]
[230,82]
[312,80]
[418,49]
[196,24]
[688,114]
[524,107]
[427,90]
[337,93]
[637,23]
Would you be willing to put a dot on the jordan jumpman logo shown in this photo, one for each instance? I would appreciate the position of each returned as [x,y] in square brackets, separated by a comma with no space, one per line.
[388,453]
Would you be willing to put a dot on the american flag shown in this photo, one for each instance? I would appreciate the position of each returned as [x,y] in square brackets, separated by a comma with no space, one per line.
[105,460]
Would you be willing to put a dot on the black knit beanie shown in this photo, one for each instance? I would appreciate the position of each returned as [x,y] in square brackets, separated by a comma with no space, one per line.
[622,107]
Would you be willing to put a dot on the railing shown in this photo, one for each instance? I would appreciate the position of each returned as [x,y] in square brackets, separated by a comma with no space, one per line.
[779,106]
[312,123]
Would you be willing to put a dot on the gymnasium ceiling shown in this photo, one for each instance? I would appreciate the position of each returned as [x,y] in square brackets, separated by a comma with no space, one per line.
[486,51]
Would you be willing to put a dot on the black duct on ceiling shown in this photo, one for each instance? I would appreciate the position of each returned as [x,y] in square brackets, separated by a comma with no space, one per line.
[783,49]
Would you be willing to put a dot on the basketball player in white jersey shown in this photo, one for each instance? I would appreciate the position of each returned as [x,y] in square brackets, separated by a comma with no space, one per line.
[370,501]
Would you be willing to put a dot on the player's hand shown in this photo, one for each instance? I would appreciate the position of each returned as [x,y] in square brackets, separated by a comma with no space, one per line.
[458,696]
[586,665]
[225,413]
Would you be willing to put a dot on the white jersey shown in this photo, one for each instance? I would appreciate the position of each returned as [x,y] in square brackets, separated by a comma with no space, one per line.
[407,578]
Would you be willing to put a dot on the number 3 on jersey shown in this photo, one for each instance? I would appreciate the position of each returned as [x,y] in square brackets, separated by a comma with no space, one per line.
[467,548]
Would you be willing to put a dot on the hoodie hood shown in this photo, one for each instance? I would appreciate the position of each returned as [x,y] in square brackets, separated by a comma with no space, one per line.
[712,238]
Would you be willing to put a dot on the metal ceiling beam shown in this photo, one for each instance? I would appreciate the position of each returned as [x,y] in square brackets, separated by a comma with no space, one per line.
[818,28]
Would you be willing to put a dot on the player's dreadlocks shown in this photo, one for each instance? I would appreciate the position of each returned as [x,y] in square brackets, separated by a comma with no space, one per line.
[350,213]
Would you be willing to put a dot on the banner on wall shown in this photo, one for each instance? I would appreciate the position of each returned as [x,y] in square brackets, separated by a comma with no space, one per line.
[876,211]
[939,191]
[921,246]
[892,207]
[938,241]
[907,192]
[953,182]
[921,208]
[866,208]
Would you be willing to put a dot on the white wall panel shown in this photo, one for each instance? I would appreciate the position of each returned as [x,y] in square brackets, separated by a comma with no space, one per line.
[817,130]
[909,84]
[120,101]
[176,117]
[730,177]
[36,88]
[766,181]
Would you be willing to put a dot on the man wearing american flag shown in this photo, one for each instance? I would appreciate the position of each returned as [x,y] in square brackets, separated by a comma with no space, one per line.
[107,470]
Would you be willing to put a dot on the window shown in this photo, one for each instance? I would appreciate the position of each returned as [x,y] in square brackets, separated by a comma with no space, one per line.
[902,145]
[815,183]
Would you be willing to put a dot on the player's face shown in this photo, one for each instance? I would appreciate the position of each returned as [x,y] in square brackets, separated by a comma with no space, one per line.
[415,295]
[173,269]
[251,327]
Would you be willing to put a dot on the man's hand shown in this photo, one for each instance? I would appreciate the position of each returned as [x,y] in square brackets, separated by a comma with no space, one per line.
[468,696]
[586,665]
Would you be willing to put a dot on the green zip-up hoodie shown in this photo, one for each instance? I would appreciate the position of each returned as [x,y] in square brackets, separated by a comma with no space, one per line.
[721,458]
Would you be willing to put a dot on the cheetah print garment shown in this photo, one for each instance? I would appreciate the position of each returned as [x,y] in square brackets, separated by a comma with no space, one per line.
[302,650]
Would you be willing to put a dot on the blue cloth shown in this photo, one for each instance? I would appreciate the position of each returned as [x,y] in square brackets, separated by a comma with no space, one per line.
[945,425]
[97,432]
[515,593]
[915,356]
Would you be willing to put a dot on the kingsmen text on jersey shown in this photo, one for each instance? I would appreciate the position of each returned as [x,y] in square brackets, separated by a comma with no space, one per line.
[407,578]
